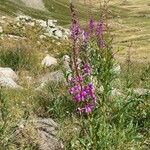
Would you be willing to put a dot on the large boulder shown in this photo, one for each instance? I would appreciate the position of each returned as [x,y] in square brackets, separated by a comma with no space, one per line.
[47,130]
[9,83]
[8,73]
[44,135]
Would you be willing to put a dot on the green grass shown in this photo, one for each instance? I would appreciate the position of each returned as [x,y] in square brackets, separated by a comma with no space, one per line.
[121,123]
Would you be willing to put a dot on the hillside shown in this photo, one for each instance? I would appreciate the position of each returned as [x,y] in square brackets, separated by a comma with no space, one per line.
[62,89]
[130,20]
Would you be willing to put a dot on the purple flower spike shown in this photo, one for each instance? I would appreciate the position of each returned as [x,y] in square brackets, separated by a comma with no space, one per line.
[85,37]
[77,98]
[88,108]
[101,43]
[91,25]
[99,29]
[87,69]
[75,31]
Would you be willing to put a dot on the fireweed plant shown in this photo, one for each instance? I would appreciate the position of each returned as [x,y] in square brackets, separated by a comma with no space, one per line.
[82,89]
[91,62]
[92,70]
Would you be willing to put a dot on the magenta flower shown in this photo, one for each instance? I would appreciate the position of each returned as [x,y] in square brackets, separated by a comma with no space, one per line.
[101,43]
[87,69]
[99,29]
[82,91]
[91,25]
[75,31]
[87,109]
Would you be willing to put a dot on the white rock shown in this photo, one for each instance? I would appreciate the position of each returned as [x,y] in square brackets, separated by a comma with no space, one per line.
[66,62]
[32,24]
[1,29]
[58,33]
[42,23]
[9,83]
[8,73]
[49,60]
[52,29]
[51,23]
[23,18]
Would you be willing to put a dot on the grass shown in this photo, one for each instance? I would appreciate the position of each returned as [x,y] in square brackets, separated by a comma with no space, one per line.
[122,123]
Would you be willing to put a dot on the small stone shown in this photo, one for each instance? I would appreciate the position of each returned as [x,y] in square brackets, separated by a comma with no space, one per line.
[58,33]
[51,23]
[42,23]
[49,60]
[56,76]
[23,18]
[32,24]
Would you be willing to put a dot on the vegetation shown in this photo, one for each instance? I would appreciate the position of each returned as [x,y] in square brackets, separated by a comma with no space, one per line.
[117,121]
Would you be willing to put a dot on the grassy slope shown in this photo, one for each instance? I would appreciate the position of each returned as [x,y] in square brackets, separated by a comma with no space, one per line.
[130,21]
[133,20]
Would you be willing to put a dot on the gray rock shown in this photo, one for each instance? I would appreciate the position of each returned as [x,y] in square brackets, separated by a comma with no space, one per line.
[48,61]
[8,73]
[9,83]
[56,76]
[46,130]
